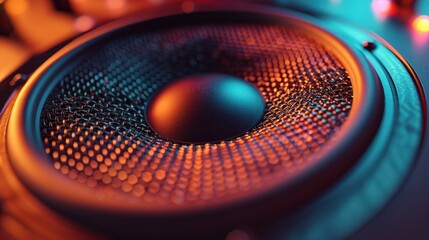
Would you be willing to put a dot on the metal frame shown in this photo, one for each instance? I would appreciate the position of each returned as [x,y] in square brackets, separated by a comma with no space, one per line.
[374,73]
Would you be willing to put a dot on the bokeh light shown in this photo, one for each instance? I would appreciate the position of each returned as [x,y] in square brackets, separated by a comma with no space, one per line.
[421,24]
[84,23]
[382,8]
[17,7]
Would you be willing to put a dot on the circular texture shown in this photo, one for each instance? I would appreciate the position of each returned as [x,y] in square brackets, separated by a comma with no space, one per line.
[205,108]
[156,183]
[93,125]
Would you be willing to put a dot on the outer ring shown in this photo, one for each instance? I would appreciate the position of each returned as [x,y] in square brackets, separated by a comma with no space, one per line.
[34,168]
[386,164]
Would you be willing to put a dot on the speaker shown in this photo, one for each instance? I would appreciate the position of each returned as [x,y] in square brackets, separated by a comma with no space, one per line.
[234,121]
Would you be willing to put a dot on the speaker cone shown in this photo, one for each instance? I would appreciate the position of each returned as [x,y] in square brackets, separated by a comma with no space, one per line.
[79,137]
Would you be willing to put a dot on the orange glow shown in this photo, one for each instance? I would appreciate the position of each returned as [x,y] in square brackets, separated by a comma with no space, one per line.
[163,111]
[421,24]
[17,7]
[84,23]
[160,174]
[17,53]
[115,4]
[147,177]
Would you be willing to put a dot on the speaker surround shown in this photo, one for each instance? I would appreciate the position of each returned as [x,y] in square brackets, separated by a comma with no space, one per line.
[335,111]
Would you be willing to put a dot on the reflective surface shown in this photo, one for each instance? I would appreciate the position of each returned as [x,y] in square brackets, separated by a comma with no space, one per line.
[308,84]
[405,29]
[406,216]
[205,108]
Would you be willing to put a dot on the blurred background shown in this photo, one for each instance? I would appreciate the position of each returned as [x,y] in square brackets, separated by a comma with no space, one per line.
[29,27]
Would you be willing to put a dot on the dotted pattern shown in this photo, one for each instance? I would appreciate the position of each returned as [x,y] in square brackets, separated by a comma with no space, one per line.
[94,129]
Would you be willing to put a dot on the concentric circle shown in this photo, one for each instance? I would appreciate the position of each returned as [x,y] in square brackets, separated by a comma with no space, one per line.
[81,116]
[94,129]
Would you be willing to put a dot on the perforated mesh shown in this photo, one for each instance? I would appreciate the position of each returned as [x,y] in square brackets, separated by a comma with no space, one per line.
[94,129]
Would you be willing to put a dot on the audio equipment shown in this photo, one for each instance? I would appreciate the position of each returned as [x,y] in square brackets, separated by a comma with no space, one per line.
[209,121]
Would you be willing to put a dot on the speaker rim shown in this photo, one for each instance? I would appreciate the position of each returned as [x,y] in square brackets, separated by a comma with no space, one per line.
[86,198]
[384,169]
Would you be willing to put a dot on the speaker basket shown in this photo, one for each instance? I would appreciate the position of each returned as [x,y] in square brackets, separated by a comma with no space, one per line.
[78,138]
